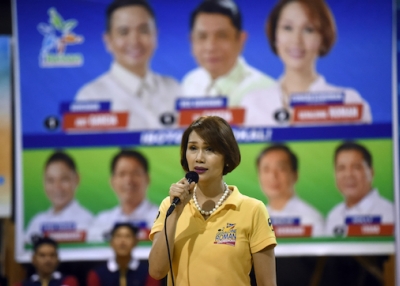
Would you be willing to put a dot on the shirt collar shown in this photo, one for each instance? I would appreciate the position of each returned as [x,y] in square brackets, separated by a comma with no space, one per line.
[367,202]
[316,85]
[231,78]
[55,275]
[142,208]
[73,204]
[130,81]
[112,264]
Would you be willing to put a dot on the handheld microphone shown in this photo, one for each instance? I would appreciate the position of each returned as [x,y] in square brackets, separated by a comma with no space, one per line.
[190,177]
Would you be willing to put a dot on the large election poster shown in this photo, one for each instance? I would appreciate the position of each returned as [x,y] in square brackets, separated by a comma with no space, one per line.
[78,104]
[6,174]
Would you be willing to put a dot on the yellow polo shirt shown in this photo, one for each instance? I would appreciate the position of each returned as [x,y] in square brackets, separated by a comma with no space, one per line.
[218,251]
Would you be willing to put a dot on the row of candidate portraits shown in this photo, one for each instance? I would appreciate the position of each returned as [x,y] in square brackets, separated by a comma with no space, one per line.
[299,32]
[277,171]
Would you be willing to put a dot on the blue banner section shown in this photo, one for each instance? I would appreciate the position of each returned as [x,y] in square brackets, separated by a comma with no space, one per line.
[243,135]
[59,226]
[285,221]
[201,103]
[366,219]
[85,106]
[327,97]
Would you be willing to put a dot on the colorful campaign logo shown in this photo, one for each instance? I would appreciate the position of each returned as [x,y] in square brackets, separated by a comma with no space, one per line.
[226,235]
[57,35]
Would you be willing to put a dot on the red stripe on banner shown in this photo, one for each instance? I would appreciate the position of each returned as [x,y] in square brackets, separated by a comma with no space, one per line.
[95,121]
[293,230]
[370,230]
[327,113]
[234,116]
[67,236]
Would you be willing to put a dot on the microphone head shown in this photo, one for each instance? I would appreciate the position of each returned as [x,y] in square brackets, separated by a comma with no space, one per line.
[192,177]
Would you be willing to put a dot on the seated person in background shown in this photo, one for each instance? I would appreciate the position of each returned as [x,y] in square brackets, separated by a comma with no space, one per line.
[66,215]
[278,173]
[362,203]
[122,269]
[298,32]
[45,261]
[217,41]
[129,180]
[130,85]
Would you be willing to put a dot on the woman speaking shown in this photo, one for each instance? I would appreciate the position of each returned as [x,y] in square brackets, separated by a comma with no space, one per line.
[215,235]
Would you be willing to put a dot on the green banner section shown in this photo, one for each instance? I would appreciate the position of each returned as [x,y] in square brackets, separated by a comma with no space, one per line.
[316,184]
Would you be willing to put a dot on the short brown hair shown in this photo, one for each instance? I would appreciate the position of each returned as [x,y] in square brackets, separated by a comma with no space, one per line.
[320,15]
[219,135]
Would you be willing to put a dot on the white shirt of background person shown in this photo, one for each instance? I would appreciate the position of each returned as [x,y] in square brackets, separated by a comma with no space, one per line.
[130,85]
[262,106]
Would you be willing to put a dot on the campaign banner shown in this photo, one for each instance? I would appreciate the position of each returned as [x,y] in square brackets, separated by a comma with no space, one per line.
[6,167]
[83,93]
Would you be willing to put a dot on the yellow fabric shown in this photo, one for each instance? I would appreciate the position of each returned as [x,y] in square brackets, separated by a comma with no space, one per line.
[218,251]
[122,277]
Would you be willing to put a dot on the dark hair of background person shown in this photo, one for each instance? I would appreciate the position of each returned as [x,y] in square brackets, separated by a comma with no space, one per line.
[218,134]
[352,146]
[39,241]
[124,3]
[60,156]
[130,154]
[319,14]
[224,7]
[128,225]
[294,163]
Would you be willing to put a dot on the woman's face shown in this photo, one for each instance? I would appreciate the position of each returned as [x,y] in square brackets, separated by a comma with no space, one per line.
[298,42]
[203,159]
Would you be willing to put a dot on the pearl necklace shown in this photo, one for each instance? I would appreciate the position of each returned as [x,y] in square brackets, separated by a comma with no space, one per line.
[221,200]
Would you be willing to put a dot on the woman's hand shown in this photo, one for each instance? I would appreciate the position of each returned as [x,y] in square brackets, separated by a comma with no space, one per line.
[182,190]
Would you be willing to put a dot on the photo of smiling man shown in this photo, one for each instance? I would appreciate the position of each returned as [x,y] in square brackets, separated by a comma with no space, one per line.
[130,85]
[364,212]
[66,220]
[217,40]
[129,180]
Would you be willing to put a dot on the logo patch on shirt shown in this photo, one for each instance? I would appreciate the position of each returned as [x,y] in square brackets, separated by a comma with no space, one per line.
[226,235]
[270,224]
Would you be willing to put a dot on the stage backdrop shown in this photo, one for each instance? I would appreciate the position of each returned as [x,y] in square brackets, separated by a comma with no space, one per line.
[6,174]
[60,48]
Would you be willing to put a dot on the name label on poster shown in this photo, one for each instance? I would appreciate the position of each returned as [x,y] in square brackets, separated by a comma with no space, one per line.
[370,230]
[327,113]
[95,121]
[59,226]
[285,221]
[67,236]
[317,98]
[234,116]
[293,231]
[363,219]
[201,103]
[84,106]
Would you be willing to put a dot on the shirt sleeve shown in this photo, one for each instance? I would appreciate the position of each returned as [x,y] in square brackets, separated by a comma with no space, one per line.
[93,279]
[262,232]
[158,224]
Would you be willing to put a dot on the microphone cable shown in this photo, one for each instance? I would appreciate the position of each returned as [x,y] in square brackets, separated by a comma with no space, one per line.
[169,252]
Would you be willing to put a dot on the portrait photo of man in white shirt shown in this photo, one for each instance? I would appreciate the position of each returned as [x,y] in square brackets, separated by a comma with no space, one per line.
[278,173]
[130,85]
[66,215]
[354,175]
[129,180]
[217,41]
